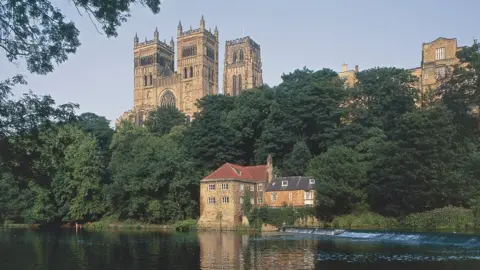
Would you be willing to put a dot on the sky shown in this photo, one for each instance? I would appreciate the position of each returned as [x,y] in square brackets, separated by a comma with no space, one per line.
[292,34]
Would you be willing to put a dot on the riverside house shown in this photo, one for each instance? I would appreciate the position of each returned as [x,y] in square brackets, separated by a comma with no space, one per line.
[294,191]
[222,193]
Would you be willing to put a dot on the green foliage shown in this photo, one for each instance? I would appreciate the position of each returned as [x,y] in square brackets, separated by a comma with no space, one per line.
[185,225]
[364,220]
[443,218]
[343,177]
[162,120]
[279,217]
[296,162]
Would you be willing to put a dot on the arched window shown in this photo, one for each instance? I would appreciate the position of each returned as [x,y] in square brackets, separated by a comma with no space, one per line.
[140,119]
[191,72]
[239,83]
[234,85]
[150,78]
[241,55]
[145,80]
[234,57]
[185,72]
[188,118]
[168,99]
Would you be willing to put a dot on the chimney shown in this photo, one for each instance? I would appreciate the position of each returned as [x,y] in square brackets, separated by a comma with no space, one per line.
[269,168]
[356,68]
[344,67]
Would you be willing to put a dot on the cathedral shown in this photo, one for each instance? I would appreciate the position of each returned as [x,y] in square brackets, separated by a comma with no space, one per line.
[157,83]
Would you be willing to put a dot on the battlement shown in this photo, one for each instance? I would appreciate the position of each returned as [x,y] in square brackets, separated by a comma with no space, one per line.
[162,44]
[246,39]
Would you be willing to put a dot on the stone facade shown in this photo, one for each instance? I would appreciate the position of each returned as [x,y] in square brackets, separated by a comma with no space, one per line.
[294,191]
[157,83]
[348,75]
[223,191]
[242,66]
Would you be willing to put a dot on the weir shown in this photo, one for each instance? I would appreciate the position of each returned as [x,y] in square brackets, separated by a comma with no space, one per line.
[410,238]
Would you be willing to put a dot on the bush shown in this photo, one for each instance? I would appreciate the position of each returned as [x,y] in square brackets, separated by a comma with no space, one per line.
[367,220]
[279,216]
[443,218]
[185,225]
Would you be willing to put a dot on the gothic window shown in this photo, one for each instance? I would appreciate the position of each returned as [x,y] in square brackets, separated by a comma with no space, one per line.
[140,119]
[189,51]
[210,53]
[241,55]
[234,57]
[150,79]
[168,99]
[213,73]
[191,72]
[145,80]
[188,118]
[185,73]
[234,85]
[239,83]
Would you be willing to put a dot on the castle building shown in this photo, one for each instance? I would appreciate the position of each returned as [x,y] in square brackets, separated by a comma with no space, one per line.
[243,66]
[157,83]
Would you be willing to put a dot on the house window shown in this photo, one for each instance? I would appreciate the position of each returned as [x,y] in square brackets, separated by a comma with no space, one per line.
[309,195]
[284,183]
[311,181]
[225,199]
[441,72]
[211,200]
[252,201]
[252,188]
[274,196]
[260,187]
[241,186]
[259,200]
[290,195]
[211,187]
[440,54]
[224,186]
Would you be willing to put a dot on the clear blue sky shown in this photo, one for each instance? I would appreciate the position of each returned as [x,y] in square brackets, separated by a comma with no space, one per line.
[292,34]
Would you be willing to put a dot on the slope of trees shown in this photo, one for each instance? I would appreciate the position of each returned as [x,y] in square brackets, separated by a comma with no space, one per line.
[369,147]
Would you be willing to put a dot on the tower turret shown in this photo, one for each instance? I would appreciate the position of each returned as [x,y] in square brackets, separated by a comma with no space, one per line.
[155,34]
[202,24]
[179,28]
[135,39]
[216,32]
[172,44]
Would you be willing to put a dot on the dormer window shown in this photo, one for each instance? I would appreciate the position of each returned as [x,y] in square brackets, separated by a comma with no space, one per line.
[238,171]
[311,181]
[284,183]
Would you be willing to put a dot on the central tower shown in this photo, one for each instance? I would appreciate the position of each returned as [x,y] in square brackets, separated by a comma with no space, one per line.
[197,62]
[243,66]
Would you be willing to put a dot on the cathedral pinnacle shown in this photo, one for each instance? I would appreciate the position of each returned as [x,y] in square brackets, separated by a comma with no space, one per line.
[179,24]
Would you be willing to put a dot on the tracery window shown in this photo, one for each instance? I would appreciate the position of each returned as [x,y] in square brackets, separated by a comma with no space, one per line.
[234,57]
[185,73]
[239,83]
[241,55]
[191,72]
[168,99]
[234,85]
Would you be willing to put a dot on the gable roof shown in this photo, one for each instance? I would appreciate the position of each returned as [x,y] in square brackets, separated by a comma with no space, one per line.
[293,183]
[236,172]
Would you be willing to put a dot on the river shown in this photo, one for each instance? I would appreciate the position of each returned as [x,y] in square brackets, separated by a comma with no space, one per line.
[22,249]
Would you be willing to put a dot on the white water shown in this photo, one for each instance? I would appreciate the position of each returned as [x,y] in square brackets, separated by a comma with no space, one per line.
[459,240]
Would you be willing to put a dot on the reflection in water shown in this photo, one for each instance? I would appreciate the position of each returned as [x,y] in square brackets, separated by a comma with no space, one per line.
[142,250]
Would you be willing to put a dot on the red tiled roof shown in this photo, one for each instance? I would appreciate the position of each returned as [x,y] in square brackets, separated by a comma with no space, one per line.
[233,171]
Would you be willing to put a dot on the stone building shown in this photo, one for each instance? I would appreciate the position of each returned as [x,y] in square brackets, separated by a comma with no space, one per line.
[242,66]
[222,193]
[157,83]
[294,191]
[348,75]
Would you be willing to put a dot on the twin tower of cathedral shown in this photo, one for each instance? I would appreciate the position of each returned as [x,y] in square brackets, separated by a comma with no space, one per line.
[158,83]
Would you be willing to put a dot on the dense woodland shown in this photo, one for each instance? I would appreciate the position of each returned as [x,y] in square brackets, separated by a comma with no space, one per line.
[370,147]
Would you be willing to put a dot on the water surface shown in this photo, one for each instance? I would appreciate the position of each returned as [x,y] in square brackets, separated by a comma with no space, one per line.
[22,249]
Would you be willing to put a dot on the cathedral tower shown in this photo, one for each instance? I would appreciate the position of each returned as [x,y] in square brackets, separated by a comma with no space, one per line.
[197,62]
[153,59]
[243,66]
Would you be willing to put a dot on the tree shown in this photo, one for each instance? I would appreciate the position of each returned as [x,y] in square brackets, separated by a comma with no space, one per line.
[38,31]
[342,180]
[296,162]
[163,119]
[413,172]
